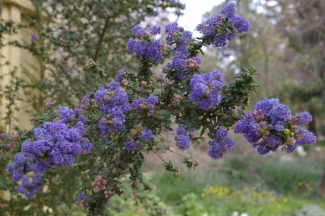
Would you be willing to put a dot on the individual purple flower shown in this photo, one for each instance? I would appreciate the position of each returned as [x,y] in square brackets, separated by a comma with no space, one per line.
[33,38]
[49,105]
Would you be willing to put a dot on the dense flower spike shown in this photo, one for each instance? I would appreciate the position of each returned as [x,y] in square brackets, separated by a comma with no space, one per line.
[224,27]
[206,89]
[271,126]
[113,103]
[220,145]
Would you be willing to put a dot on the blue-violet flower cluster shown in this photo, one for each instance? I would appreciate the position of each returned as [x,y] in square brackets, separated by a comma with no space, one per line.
[206,89]
[147,47]
[137,135]
[220,145]
[271,125]
[113,103]
[219,29]
[55,144]
[183,138]
[146,104]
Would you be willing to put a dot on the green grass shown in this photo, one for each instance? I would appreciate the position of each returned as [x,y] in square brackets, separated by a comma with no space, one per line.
[287,186]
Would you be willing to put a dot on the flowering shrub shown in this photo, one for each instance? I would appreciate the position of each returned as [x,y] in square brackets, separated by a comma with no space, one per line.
[118,122]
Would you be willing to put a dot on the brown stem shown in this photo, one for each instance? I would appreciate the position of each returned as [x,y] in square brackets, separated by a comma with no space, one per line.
[101,38]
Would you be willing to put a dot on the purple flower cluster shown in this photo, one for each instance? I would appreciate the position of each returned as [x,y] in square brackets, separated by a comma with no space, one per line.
[181,62]
[146,104]
[218,29]
[271,125]
[79,199]
[147,47]
[113,103]
[220,145]
[177,35]
[56,144]
[137,135]
[183,138]
[66,114]
[206,89]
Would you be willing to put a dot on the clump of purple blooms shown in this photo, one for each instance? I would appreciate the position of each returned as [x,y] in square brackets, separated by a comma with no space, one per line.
[183,138]
[113,103]
[177,35]
[55,144]
[206,89]
[181,63]
[219,29]
[146,104]
[220,145]
[137,135]
[79,199]
[147,47]
[271,126]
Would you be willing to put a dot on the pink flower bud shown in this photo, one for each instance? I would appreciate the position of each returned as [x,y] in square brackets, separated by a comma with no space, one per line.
[125,82]
[104,181]
[144,83]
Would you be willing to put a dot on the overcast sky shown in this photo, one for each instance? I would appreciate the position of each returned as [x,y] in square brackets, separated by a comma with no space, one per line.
[194,11]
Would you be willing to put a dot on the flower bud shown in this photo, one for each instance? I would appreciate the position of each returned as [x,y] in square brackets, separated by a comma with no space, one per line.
[125,82]
[286,131]
[144,83]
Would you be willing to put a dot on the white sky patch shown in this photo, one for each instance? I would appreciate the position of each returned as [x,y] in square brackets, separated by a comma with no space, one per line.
[193,13]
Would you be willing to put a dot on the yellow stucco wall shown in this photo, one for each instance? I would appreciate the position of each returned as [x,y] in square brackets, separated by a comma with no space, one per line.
[18,58]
